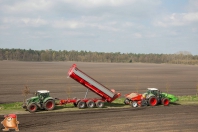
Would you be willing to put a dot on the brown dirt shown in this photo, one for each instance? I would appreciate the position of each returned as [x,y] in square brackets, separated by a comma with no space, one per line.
[178,118]
[124,78]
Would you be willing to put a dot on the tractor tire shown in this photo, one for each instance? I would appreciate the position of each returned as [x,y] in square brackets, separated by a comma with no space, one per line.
[165,101]
[32,107]
[49,105]
[81,105]
[152,101]
[134,104]
[99,104]
[126,101]
[90,104]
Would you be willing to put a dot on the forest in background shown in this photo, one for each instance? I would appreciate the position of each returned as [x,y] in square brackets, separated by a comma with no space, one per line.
[182,57]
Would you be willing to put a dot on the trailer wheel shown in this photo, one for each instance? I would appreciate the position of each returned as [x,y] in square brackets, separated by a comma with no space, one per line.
[81,105]
[90,104]
[152,101]
[49,105]
[134,104]
[165,102]
[32,107]
[126,101]
[99,104]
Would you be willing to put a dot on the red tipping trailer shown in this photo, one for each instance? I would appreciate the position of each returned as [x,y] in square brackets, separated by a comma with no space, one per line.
[106,94]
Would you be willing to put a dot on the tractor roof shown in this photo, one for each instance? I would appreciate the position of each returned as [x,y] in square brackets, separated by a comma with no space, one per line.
[43,91]
[152,88]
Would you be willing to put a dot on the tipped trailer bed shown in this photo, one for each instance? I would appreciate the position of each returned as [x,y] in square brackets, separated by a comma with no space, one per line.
[106,94]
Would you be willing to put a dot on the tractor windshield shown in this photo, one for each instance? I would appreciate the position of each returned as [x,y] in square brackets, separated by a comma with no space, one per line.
[42,96]
[155,92]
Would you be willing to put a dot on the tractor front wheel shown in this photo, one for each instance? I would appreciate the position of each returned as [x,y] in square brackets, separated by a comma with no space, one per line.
[32,107]
[49,105]
[152,101]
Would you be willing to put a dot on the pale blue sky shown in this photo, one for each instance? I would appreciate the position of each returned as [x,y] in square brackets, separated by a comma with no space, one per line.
[126,26]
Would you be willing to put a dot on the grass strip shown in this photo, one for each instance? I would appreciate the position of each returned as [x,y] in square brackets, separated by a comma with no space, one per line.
[189,99]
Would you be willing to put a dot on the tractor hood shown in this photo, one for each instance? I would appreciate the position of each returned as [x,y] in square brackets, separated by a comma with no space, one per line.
[171,97]
[31,99]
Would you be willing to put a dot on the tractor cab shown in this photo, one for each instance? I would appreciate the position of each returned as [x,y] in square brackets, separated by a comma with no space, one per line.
[42,94]
[153,91]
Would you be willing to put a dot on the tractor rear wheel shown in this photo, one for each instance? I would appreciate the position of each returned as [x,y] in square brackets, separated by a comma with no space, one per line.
[152,101]
[81,105]
[99,104]
[126,101]
[165,101]
[134,104]
[49,105]
[90,104]
[32,107]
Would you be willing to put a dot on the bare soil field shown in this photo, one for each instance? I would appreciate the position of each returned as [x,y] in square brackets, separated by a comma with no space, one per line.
[124,78]
[174,118]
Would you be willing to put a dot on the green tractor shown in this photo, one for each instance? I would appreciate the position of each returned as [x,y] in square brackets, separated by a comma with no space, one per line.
[41,100]
[153,96]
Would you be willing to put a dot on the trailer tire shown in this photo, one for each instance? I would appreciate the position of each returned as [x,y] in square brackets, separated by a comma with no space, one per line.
[152,101]
[81,105]
[134,104]
[99,104]
[32,107]
[90,104]
[165,101]
[126,101]
[49,105]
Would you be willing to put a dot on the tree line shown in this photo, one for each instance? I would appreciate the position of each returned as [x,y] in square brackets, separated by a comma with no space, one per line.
[182,57]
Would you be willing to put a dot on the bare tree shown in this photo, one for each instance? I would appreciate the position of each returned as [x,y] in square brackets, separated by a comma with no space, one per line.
[25,92]
[69,92]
